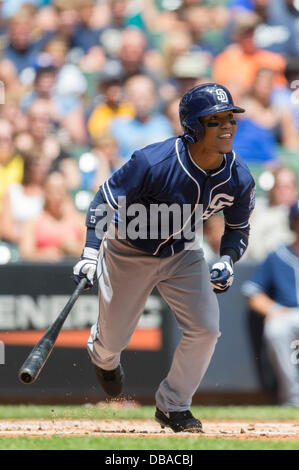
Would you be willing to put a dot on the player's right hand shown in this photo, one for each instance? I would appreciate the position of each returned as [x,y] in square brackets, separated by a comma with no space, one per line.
[86,267]
[222,275]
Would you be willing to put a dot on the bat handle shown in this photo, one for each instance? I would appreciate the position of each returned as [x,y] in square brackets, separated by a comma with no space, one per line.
[80,288]
[82,284]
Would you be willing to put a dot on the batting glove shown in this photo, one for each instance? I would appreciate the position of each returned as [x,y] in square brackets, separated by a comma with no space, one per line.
[86,267]
[222,275]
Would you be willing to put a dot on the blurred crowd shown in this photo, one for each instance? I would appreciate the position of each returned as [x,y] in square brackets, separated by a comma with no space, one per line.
[83,83]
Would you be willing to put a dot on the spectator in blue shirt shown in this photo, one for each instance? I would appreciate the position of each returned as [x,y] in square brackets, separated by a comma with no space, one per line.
[280,33]
[21,49]
[266,124]
[148,126]
[273,292]
[85,35]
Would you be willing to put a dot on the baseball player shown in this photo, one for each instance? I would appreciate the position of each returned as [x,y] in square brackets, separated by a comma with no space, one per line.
[197,169]
[273,292]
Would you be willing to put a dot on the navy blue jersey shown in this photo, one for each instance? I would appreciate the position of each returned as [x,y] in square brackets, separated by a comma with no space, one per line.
[277,277]
[165,173]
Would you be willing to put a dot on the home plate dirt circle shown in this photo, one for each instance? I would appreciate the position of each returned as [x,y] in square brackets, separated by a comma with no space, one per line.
[285,430]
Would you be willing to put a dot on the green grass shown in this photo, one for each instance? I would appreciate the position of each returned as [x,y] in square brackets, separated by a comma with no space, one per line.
[112,411]
[104,411]
[144,443]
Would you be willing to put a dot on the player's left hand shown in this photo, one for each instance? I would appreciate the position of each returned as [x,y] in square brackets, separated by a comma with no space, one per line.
[222,275]
[86,267]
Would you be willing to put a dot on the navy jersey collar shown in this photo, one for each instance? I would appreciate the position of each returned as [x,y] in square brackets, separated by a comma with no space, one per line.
[209,172]
[222,174]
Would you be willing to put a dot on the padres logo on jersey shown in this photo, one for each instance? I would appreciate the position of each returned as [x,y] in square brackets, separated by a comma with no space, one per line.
[218,202]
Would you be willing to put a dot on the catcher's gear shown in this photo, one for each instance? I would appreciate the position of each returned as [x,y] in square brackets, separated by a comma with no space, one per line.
[203,100]
[222,275]
[86,267]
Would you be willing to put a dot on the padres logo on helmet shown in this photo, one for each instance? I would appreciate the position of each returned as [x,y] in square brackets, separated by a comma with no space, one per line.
[221,95]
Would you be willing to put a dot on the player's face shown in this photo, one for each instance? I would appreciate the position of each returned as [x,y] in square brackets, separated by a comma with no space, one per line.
[220,129]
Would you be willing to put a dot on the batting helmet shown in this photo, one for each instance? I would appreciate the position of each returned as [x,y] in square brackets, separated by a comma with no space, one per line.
[203,100]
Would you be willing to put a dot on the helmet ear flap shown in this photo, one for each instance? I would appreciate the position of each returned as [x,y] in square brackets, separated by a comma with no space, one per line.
[193,135]
[190,138]
[189,133]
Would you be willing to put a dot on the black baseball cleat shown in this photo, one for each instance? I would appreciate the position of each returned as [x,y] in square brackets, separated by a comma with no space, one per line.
[179,421]
[112,381]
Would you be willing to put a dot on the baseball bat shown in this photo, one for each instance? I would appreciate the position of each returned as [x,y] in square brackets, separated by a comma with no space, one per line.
[36,360]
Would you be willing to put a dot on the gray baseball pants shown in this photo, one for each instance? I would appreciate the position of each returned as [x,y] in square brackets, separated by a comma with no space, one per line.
[126,278]
[279,334]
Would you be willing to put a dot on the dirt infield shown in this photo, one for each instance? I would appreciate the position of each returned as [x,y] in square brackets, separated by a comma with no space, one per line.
[278,430]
